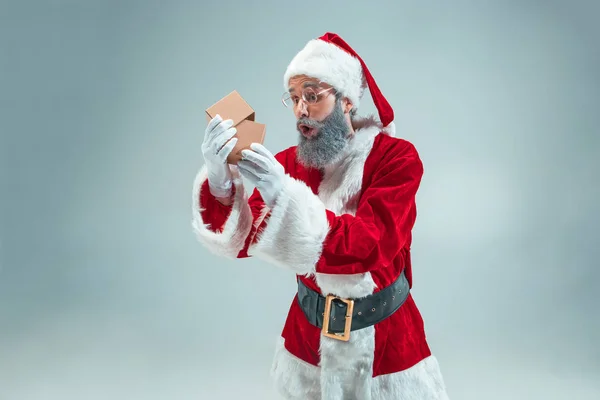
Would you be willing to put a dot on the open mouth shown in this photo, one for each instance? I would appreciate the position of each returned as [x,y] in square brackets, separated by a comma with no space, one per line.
[307,131]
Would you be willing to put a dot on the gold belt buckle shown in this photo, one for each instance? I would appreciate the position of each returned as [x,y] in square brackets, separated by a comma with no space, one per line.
[345,336]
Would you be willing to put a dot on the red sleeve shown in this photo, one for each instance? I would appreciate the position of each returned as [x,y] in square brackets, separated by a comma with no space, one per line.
[304,236]
[259,216]
[212,211]
[221,229]
[229,230]
[382,224]
[260,211]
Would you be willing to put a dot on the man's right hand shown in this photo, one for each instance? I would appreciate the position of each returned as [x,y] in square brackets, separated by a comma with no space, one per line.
[216,146]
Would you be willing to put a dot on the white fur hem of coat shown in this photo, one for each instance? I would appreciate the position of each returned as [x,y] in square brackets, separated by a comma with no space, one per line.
[294,234]
[295,379]
[230,241]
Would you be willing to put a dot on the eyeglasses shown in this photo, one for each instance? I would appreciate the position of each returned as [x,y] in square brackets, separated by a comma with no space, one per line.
[309,95]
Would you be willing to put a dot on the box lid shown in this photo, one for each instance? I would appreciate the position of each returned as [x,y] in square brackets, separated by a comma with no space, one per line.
[233,107]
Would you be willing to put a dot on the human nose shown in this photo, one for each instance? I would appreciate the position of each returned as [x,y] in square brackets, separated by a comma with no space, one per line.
[302,108]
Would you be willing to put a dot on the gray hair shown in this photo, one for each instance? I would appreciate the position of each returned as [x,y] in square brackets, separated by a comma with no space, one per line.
[338,99]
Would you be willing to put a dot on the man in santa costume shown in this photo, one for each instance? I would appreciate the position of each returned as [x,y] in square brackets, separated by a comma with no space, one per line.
[337,210]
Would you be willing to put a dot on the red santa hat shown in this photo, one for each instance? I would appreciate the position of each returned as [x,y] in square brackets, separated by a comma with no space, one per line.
[330,59]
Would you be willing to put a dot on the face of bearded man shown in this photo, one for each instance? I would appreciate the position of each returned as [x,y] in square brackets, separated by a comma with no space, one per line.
[327,145]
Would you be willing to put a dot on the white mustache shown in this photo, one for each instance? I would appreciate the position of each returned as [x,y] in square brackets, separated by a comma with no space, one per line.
[309,123]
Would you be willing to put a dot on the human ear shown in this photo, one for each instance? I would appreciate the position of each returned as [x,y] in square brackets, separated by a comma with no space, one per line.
[347,106]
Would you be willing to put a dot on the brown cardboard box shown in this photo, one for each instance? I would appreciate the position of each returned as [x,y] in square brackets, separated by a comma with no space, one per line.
[234,107]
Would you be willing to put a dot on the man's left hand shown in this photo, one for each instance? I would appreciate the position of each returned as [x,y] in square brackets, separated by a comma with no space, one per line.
[263,170]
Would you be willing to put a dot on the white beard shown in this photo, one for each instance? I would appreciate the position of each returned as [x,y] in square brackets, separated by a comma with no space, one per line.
[330,142]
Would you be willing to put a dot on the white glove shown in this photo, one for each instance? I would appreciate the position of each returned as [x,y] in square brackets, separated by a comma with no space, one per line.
[263,170]
[215,149]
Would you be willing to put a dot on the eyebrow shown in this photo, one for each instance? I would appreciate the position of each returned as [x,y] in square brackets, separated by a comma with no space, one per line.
[305,85]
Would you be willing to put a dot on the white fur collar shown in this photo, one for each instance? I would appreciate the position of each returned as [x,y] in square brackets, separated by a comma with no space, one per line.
[340,191]
[342,180]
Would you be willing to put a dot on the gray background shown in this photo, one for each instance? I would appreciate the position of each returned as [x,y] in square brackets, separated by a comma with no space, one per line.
[104,293]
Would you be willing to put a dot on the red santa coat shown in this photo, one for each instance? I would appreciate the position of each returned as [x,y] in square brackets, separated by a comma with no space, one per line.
[346,232]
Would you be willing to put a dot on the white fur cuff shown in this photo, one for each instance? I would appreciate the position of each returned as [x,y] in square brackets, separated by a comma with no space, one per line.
[231,240]
[295,230]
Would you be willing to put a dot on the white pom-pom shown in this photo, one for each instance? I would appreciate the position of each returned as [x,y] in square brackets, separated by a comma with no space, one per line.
[390,129]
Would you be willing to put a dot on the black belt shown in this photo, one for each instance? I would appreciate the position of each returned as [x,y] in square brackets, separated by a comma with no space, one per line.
[338,316]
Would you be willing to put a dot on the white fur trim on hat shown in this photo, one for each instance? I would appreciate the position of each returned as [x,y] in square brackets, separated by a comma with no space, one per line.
[390,129]
[332,65]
